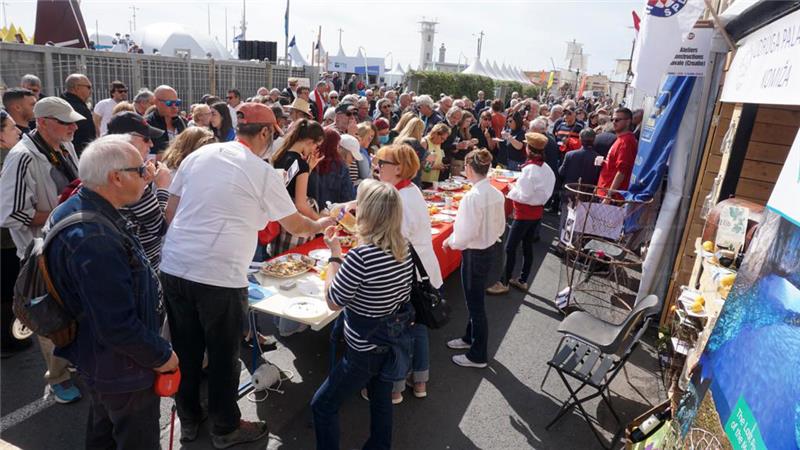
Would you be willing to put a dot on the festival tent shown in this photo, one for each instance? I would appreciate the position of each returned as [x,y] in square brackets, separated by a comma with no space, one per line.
[297,58]
[489,71]
[172,38]
[394,76]
[498,73]
[522,77]
[341,53]
[476,68]
[507,73]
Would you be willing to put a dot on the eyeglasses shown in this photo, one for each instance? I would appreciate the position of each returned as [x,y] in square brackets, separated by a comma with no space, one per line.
[333,97]
[230,97]
[170,103]
[141,170]
[619,119]
[88,86]
[381,162]
[61,122]
[122,91]
[146,139]
[349,113]
[385,107]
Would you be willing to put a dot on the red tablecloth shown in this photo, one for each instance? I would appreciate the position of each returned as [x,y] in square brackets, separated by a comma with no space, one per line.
[504,187]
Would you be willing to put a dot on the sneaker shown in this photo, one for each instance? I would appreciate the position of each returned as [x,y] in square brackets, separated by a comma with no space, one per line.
[463,361]
[419,389]
[497,289]
[458,344]
[65,392]
[247,432]
[397,397]
[190,430]
[521,285]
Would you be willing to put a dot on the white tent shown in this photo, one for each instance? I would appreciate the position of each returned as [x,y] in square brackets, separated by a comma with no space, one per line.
[172,39]
[507,73]
[476,68]
[394,76]
[487,66]
[498,73]
[341,53]
[522,77]
[297,58]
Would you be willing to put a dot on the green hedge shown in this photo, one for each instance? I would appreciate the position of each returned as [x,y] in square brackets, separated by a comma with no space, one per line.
[454,84]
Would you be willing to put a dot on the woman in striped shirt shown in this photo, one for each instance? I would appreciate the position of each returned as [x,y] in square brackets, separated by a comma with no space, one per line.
[373,286]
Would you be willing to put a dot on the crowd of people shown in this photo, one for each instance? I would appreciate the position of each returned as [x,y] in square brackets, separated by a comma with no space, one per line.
[188,192]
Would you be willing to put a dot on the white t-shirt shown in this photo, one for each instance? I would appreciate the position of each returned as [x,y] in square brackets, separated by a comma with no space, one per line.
[234,117]
[103,109]
[227,194]
[416,228]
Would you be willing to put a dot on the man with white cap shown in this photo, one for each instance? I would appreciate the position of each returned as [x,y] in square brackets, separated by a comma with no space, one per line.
[220,197]
[35,172]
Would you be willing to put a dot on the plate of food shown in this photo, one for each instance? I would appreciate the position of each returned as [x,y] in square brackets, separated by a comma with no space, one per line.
[305,308]
[345,218]
[429,194]
[442,218]
[320,254]
[288,266]
[449,212]
[347,240]
[450,186]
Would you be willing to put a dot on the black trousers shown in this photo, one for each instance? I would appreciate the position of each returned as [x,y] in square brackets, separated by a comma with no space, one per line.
[206,318]
[123,421]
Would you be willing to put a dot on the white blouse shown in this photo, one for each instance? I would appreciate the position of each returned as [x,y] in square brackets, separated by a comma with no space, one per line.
[535,186]
[481,218]
[417,229]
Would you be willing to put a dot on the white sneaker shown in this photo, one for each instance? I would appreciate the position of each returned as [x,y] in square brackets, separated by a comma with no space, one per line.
[458,344]
[463,361]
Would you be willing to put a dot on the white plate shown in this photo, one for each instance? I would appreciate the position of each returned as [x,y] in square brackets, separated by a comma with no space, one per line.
[320,254]
[449,212]
[446,218]
[305,308]
[435,230]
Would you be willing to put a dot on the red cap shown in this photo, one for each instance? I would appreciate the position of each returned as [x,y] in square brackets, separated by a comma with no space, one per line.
[381,124]
[255,113]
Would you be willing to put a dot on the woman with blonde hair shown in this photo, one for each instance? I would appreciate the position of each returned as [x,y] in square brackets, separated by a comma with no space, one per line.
[397,165]
[401,124]
[122,106]
[433,165]
[411,134]
[372,284]
[185,143]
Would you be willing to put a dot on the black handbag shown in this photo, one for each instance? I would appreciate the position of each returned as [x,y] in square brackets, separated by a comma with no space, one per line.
[431,308]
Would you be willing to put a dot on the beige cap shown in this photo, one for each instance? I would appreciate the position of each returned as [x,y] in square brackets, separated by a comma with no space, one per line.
[56,108]
[301,105]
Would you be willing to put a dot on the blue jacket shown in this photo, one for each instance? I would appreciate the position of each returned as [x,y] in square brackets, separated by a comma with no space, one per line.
[334,186]
[106,282]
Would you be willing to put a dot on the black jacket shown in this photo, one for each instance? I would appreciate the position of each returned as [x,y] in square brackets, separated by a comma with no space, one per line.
[287,96]
[155,120]
[86,131]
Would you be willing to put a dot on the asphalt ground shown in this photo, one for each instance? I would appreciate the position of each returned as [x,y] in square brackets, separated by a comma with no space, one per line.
[501,407]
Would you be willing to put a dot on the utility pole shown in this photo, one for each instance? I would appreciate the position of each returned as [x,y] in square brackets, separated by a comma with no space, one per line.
[244,20]
[134,9]
[226,28]
[340,36]
[5,14]
[480,43]
[208,10]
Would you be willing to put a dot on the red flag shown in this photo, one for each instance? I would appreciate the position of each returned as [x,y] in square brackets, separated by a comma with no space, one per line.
[583,85]
[636,20]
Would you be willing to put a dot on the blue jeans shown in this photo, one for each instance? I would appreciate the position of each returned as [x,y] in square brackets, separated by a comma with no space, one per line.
[123,421]
[474,269]
[354,371]
[522,232]
[420,357]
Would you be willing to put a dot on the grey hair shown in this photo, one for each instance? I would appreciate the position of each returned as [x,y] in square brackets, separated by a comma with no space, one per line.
[452,112]
[72,81]
[557,108]
[425,100]
[104,155]
[144,95]
[30,79]
[350,98]
[539,124]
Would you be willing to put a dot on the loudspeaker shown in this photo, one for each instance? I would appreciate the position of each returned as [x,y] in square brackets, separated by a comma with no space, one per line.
[259,50]
[271,51]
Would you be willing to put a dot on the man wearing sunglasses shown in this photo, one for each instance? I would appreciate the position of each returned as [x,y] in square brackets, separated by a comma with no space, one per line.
[147,213]
[38,168]
[345,119]
[166,117]
[78,93]
[102,110]
[618,165]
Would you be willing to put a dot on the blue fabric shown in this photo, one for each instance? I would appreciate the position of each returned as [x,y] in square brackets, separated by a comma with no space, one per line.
[106,281]
[365,165]
[390,333]
[334,186]
[522,232]
[474,269]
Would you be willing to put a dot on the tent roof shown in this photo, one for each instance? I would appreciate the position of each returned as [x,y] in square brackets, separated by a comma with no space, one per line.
[168,37]
[476,68]
[297,58]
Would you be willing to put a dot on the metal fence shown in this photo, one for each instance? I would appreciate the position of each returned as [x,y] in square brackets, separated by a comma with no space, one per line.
[191,78]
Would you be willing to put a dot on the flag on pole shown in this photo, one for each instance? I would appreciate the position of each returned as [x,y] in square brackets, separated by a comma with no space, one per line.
[662,32]
[550,80]
[583,86]
[292,42]
[286,21]
[636,21]
[543,77]
[238,37]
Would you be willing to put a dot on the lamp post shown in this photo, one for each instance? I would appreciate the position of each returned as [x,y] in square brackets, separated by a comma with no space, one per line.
[366,67]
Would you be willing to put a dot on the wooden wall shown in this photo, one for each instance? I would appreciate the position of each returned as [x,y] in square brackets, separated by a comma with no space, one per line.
[773,133]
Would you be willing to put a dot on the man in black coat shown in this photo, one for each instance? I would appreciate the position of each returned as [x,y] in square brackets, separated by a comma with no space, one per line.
[78,91]
[165,117]
[289,93]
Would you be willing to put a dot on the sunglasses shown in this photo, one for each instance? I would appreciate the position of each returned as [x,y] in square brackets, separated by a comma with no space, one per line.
[230,97]
[88,86]
[61,122]
[333,97]
[122,91]
[146,139]
[141,170]
[170,103]
[349,113]
[381,163]
[619,119]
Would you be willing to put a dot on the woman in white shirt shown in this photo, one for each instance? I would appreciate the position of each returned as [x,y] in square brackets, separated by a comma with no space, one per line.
[480,222]
[398,165]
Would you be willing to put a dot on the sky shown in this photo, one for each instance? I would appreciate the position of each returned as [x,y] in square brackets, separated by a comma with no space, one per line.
[525,34]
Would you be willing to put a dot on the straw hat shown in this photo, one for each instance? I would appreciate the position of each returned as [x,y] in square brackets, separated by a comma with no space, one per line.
[301,105]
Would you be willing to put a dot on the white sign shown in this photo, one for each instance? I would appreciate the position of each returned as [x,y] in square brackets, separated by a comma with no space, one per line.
[693,58]
[784,195]
[761,71]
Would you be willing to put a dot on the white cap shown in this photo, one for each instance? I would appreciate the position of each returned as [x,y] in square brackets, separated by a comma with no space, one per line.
[350,144]
[56,108]
[330,113]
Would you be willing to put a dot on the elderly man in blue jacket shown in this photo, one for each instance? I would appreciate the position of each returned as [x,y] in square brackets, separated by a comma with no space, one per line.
[103,275]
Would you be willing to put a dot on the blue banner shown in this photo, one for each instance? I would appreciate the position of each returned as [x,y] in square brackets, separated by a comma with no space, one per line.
[373,70]
[658,136]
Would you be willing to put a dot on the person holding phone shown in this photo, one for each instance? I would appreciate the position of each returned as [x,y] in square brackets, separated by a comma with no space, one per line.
[433,165]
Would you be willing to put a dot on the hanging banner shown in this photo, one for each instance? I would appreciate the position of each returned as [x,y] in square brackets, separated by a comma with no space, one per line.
[693,57]
[761,71]
[664,29]
[784,195]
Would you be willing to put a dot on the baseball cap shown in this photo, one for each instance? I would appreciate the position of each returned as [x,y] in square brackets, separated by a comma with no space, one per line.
[381,124]
[345,107]
[56,108]
[257,113]
[130,122]
[350,144]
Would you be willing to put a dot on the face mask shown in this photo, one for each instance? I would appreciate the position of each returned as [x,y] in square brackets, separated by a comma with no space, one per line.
[383,139]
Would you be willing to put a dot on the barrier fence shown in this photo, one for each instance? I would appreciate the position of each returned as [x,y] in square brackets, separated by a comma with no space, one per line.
[191,78]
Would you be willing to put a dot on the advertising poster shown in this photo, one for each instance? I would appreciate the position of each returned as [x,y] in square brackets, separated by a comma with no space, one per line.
[752,359]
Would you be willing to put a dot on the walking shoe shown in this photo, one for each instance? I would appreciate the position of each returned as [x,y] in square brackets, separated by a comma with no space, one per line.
[458,344]
[189,430]
[247,432]
[497,289]
[521,285]
[463,361]
[397,397]
[65,392]
[419,389]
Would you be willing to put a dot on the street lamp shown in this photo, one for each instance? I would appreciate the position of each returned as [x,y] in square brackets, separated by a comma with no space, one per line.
[366,67]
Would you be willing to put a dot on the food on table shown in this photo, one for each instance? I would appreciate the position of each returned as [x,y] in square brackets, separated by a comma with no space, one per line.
[450,186]
[346,219]
[727,280]
[708,246]
[347,240]
[433,210]
[698,304]
[428,194]
[458,196]
[288,266]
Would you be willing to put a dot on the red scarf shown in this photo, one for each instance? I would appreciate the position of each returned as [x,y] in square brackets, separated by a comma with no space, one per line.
[402,184]
[318,103]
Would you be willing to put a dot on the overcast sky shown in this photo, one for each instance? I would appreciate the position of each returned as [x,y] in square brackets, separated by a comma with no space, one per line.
[526,34]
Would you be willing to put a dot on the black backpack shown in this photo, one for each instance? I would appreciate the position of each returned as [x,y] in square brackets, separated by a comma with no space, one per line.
[37,304]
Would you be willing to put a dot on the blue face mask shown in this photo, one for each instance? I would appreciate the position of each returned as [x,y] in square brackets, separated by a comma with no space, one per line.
[383,139]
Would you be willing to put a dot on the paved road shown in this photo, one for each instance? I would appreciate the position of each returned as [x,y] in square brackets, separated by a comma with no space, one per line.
[500,407]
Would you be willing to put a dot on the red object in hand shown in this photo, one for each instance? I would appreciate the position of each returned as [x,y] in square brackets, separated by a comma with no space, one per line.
[167,383]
